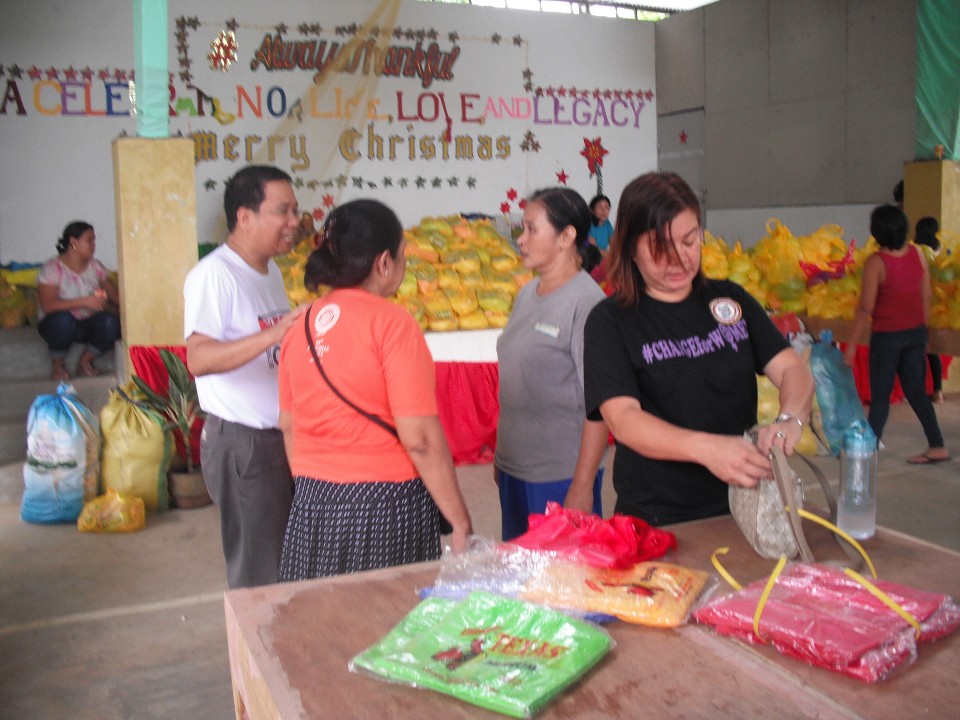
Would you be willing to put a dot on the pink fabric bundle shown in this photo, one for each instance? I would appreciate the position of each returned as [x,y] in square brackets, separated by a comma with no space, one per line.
[618,542]
[824,617]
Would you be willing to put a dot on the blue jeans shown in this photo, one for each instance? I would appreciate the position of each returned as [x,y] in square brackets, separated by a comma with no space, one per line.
[62,329]
[902,354]
[519,498]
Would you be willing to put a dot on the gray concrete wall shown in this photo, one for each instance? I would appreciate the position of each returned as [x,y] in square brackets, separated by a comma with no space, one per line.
[806,102]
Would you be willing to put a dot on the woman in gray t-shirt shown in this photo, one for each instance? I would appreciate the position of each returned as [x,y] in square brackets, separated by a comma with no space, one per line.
[540,353]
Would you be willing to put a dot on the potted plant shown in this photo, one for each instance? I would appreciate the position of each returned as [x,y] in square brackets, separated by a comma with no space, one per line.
[181,409]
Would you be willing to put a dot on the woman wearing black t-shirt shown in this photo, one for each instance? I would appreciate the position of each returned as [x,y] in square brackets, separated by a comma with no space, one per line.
[671,361]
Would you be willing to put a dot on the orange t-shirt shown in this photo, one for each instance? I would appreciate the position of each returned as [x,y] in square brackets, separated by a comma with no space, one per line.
[374,353]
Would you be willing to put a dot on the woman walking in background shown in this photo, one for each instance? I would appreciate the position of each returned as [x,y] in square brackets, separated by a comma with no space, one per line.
[895,295]
[926,234]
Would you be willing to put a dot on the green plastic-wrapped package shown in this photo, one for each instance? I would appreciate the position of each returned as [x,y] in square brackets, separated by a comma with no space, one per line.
[501,654]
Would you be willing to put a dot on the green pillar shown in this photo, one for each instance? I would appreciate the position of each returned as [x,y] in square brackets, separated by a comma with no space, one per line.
[150,68]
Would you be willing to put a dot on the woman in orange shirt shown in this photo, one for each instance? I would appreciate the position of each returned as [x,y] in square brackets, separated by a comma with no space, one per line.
[358,412]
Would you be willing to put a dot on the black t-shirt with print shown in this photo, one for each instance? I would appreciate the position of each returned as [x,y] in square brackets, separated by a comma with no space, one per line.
[687,368]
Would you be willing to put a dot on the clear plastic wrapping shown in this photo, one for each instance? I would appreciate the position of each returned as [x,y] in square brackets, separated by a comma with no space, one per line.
[651,593]
[824,617]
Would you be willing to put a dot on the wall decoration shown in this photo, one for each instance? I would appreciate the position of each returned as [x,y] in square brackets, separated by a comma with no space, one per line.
[594,151]
[223,51]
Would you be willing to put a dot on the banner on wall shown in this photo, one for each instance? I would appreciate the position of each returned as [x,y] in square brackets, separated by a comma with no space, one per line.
[434,109]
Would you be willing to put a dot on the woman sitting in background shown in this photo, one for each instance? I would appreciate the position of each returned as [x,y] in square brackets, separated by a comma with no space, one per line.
[77,302]
[358,411]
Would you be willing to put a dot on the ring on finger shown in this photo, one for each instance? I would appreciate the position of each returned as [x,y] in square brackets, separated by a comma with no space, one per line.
[780,435]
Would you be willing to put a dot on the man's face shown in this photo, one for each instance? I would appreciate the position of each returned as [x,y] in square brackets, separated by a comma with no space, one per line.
[274,226]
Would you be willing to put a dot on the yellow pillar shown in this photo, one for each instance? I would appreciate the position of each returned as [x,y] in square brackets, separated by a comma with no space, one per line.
[932,188]
[156,207]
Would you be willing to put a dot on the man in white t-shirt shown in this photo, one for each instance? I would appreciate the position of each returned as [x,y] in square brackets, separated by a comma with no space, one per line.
[236,313]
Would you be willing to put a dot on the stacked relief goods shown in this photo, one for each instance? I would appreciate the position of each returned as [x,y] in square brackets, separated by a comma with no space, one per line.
[461,274]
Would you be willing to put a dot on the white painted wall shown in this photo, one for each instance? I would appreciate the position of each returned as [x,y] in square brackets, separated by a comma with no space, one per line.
[56,167]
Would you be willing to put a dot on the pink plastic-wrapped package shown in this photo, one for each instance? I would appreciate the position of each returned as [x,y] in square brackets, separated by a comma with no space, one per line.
[824,617]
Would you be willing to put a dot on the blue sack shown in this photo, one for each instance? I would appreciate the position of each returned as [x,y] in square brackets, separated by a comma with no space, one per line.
[836,390]
[53,474]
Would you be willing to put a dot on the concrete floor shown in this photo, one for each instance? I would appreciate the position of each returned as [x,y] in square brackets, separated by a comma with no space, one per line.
[131,626]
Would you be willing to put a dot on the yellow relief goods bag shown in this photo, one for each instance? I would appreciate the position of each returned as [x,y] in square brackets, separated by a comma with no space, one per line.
[112,512]
[137,448]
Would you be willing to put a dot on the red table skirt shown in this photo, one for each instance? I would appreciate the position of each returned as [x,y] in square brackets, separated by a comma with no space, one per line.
[466,400]
[861,374]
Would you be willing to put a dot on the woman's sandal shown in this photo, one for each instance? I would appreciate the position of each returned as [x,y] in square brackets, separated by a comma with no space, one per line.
[925,459]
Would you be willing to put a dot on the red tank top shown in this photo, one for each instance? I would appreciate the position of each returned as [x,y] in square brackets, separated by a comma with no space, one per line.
[899,305]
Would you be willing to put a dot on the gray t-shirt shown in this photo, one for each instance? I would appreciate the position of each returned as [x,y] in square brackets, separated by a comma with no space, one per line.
[540,356]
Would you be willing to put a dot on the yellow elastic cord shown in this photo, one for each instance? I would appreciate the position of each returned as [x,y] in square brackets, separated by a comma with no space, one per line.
[885,599]
[830,526]
[766,593]
[722,570]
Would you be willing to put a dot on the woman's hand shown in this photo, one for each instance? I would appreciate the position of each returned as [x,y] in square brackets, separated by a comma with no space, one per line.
[785,434]
[736,460]
[460,538]
[96,302]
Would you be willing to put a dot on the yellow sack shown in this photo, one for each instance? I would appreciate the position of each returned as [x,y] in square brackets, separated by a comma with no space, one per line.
[137,449]
[112,512]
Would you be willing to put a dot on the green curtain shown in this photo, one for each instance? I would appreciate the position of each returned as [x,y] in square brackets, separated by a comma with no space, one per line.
[938,79]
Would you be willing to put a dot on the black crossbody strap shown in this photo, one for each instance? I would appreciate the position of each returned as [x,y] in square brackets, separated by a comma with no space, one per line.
[316,361]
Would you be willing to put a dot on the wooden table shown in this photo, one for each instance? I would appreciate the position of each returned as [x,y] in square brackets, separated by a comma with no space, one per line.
[289,647]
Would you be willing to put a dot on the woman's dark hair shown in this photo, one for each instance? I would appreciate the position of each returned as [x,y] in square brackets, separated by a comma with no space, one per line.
[354,235]
[246,189]
[73,230]
[649,203]
[565,207]
[593,206]
[889,226]
[926,232]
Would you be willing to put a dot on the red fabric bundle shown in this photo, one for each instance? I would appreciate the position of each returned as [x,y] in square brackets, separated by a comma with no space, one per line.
[617,542]
[824,617]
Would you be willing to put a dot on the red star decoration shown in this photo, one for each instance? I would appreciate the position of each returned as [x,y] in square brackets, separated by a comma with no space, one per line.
[593,152]
[52,73]
[104,74]
[70,73]
[35,73]
[522,204]
[504,207]
[120,75]
[648,94]
[328,200]
[318,213]
[512,194]
[562,177]
[683,137]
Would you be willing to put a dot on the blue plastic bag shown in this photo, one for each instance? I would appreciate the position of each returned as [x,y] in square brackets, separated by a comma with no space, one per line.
[53,474]
[836,390]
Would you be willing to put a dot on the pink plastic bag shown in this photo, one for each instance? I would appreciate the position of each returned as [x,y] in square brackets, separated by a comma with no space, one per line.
[825,618]
[618,542]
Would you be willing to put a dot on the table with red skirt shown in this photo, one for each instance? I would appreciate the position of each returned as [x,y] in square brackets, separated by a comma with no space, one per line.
[467,385]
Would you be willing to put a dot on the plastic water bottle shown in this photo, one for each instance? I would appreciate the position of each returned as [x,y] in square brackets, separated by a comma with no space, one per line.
[857,509]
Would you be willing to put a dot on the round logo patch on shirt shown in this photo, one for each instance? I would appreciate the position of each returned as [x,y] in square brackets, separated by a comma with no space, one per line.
[326,318]
[726,310]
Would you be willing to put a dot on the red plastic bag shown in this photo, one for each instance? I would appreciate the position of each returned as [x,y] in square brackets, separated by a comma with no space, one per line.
[823,617]
[617,542]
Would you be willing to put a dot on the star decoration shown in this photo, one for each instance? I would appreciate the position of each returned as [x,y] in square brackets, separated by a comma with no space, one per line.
[453,37]
[512,194]
[471,182]
[52,73]
[104,74]
[16,71]
[387,182]
[210,184]
[313,184]
[297,182]
[341,180]
[527,74]
[120,75]
[504,207]
[403,182]
[593,152]
[562,177]
[223,51]
[35,73]
[371,184]
[517,40]
[70,73]
[453,182]
[648,94]
[358,183]
[328,200]
[496,38]
[281,28]
[522,204]
[432,34]
[420,181]
[436,182]
[562,92]
[318,213]
[232,24]
[683,137]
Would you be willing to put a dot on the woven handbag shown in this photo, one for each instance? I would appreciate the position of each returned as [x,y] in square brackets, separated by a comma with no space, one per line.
[769,514]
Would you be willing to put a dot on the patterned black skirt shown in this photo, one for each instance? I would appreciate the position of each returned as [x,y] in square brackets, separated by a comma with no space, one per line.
[337,528]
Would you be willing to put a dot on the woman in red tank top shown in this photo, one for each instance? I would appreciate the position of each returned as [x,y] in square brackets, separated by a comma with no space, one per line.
[895,295]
